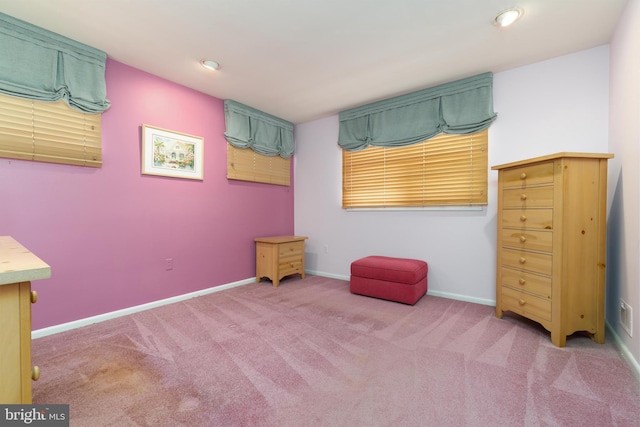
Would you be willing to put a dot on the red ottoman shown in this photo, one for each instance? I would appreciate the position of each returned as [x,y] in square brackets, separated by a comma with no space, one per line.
[395,279]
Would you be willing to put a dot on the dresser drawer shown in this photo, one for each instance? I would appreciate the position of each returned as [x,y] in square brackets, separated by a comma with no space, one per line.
[532,197]
[293,266]
[528,175]
[533,240]
[290,249]
[525,281]
[541,219]
[529,261]
[290,258]
[526,304]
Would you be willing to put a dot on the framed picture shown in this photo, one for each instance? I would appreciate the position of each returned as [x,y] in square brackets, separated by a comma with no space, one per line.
[173,154]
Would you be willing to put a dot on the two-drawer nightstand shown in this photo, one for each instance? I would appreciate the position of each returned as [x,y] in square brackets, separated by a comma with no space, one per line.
[279,256]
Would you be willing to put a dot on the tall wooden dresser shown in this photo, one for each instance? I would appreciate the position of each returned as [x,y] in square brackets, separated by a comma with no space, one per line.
[552,242]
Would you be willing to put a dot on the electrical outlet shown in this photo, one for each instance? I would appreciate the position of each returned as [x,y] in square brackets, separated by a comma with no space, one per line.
[168,264]
[626,317]
[326,249]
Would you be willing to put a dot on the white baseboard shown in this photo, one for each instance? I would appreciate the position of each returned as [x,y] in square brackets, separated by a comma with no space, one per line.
[430,292]
[624,351]
[39,333]
[329,275]
[465,298]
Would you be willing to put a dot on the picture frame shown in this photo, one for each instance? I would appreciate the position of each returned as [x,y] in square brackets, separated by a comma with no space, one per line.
[172,154]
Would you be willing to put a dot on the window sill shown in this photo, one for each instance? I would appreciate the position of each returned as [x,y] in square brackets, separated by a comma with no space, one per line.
[424,208]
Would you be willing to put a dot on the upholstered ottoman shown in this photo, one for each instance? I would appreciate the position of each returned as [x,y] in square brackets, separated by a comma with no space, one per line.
[395,279]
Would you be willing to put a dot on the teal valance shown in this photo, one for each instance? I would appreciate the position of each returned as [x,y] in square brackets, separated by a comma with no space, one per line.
[42,65]
[265,134]
[460,107]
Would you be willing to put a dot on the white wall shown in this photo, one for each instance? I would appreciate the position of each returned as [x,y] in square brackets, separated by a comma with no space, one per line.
[547,107]
[623,279]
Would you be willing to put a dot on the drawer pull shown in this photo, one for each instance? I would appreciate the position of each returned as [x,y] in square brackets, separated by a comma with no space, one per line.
[523,239]
[522,260]
[522,281]
[34,297]
[523,175]
[521,302]
[523,218]
[35,373]
[523,197]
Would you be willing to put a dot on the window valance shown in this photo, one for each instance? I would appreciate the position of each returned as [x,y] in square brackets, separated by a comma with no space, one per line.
[461,107]
[265,134]
[42,65]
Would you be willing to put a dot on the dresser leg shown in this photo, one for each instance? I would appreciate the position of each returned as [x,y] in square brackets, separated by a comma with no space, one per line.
[558,339]
[598,337]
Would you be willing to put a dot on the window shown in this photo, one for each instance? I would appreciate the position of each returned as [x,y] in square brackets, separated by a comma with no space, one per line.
[447,170]
[246,165]
[49,132]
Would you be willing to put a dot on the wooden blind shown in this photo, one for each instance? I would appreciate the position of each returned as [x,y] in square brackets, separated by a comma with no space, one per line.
[244,164]
[447,170]
[49,132]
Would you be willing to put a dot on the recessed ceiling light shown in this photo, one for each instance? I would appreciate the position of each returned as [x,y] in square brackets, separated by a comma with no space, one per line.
[209,64]
[508,17]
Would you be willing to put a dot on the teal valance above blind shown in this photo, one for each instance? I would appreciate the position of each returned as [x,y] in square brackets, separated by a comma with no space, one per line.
[265,134]
[460,107]
[42,65]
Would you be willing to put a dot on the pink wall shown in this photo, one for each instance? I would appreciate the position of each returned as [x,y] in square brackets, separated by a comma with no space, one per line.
[106,232]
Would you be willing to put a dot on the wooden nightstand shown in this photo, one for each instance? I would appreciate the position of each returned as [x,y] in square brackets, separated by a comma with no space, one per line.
[279,256]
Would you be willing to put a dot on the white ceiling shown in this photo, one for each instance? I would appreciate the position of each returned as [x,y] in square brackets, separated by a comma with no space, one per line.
[306,59]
